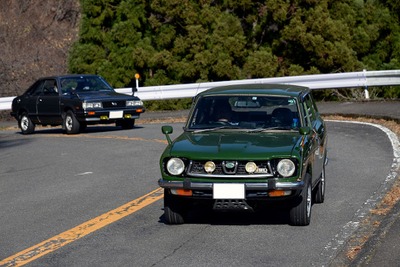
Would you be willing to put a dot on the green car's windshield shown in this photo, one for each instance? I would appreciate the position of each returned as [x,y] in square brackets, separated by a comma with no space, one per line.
[84,84]
[254,113]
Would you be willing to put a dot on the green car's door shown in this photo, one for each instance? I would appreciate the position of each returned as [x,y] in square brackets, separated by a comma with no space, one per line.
[314,121]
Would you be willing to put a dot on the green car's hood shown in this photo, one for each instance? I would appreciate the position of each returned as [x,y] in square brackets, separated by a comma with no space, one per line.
[235,145]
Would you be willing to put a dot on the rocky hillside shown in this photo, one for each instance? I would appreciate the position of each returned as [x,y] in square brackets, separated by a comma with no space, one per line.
[35,37]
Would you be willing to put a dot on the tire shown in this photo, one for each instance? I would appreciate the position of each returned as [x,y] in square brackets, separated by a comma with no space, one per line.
[320,190]
[82,127]
[71,124]
[174,210]
[300,215]
[127,124]
[25,124]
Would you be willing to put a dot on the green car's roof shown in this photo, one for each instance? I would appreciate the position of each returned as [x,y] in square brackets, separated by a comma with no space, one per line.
[259,89]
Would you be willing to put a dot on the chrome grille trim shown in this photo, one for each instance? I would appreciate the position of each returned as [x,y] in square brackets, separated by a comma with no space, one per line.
[196,169]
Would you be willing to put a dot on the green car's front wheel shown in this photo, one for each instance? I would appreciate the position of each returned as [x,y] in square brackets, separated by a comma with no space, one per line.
[174,209]
[320,190]
[300,214]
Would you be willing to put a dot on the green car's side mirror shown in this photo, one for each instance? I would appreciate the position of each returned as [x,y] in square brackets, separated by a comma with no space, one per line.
[304,130]
[167,130]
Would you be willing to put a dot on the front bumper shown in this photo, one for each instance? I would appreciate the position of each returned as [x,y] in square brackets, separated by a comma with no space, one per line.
[104,116]
[270,185]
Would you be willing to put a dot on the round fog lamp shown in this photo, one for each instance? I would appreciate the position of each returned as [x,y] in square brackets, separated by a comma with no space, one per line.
[209,166]
[175,166]
[251,167]
[286,167]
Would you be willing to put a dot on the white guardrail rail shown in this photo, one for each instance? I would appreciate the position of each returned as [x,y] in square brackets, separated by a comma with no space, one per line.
[363,79]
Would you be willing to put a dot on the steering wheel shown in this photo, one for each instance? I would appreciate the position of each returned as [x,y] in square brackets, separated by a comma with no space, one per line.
[222,122]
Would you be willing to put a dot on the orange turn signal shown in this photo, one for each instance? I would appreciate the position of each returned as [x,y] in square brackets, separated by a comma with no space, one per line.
[182,192]
[91,113]
[139,110]
[278,193]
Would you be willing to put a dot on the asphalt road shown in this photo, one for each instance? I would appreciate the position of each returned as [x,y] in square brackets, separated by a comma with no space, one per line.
[51,183]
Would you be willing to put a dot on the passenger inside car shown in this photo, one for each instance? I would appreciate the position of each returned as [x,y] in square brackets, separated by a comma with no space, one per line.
[282,117]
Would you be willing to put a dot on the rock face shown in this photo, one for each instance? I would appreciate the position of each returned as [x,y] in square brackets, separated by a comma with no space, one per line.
[35,38]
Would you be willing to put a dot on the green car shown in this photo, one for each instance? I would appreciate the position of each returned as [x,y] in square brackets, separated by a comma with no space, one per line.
[245,147]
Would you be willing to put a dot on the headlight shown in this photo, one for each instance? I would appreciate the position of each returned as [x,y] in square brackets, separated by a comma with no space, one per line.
[131,103]
[89,105]
[209,166]
[286,167]
[250,167]
[175,166]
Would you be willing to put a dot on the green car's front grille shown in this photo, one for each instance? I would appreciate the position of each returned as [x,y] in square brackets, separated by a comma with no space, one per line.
[196,169]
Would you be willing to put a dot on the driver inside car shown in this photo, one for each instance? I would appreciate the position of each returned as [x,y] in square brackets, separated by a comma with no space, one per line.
[223,114]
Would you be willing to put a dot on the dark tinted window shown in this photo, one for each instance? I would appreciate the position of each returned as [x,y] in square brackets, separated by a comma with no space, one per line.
[50,87]
[84,84]
[249,111]
[36,88]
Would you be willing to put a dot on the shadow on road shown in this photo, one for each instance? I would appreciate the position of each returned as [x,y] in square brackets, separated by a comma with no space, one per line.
[265,216]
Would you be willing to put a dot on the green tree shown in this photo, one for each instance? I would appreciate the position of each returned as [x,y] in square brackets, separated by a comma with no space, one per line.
[185,41]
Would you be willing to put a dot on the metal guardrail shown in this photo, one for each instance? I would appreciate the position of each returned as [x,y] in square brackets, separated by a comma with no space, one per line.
[5,102]
[363,79]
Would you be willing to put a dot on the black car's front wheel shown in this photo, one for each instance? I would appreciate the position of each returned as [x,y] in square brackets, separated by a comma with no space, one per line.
[26,125]
[300,214]
[174,209]
[71,124]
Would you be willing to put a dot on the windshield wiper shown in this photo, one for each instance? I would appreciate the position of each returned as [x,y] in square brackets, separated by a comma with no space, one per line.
[216,128]
[259,130]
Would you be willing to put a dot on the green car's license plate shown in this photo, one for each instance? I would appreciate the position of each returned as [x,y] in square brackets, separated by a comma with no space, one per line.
[228,191]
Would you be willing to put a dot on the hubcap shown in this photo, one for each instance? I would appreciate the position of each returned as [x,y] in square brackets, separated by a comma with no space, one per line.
[68,123]
[24,123]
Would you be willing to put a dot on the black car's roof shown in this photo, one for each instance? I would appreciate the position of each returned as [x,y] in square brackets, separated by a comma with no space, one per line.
[69,76]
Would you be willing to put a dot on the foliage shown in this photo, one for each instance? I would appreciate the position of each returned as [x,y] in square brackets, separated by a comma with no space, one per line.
[169,104]
[186,41]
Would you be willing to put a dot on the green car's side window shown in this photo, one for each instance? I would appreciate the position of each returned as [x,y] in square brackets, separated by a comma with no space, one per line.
[309,110]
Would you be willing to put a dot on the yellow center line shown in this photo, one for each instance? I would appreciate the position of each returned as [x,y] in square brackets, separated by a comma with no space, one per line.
[69,236]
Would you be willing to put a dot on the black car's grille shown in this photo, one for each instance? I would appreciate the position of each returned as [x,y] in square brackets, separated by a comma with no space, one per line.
[114,104]
[196,168]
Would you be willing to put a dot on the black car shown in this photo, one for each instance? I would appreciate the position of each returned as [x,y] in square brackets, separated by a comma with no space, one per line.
[74,101]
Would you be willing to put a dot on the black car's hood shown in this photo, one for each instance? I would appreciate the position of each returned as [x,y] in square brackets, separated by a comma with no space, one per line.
[103,95]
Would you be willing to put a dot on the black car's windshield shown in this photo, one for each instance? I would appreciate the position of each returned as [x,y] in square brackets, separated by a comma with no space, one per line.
[84,84]
[252,113]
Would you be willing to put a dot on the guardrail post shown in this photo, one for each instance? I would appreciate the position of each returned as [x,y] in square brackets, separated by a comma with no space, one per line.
[366,93]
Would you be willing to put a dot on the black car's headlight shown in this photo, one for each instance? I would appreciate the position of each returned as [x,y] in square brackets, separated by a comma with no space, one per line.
[175,166]
[90,105]
[131,103]
[286,167]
